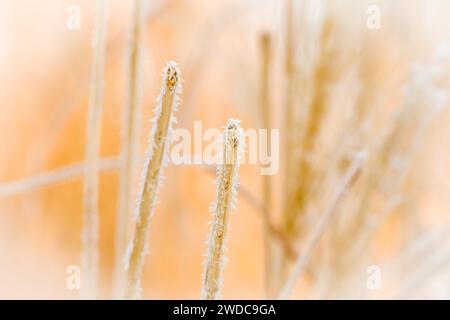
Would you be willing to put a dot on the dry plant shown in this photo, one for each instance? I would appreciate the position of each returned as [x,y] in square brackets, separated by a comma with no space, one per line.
[266,61]
[227,181]
[319,229]
[129,141]
[314,67]
[310,72]
[279,264]
[89,259]
[391,160]
[339,87]
[322,79]
[157,158]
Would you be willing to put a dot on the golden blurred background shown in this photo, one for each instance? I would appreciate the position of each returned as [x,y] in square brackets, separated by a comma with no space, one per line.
[337,85]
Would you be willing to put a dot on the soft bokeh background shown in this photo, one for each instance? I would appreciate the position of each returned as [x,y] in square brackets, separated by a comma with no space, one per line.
[44,89]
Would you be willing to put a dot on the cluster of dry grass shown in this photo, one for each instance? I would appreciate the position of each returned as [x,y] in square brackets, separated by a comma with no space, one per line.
[363,180]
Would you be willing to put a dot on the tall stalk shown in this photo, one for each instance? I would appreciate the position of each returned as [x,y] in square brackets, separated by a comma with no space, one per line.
[89,259]
[266,56]
[280,263]
[158,148]
[129,142]
[227,181]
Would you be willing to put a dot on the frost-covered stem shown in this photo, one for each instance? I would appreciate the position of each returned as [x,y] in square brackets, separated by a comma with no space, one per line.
[158,148]
[129,141]
[89,259]
[227,181]
[312,241]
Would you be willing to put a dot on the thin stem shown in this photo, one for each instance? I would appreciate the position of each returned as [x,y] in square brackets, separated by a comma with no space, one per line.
[129,141]
[53,176]
[89,259]
[158,148]
[280,267]
[227,180]
[266,55]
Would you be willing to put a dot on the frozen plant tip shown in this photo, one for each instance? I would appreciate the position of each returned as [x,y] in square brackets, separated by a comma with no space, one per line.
[227,181]
[158,148]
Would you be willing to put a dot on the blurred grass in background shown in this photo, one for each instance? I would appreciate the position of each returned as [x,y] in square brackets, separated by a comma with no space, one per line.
[352,89]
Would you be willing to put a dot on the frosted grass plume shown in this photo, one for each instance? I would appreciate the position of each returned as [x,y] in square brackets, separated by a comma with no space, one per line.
[156,160]
[227,182]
